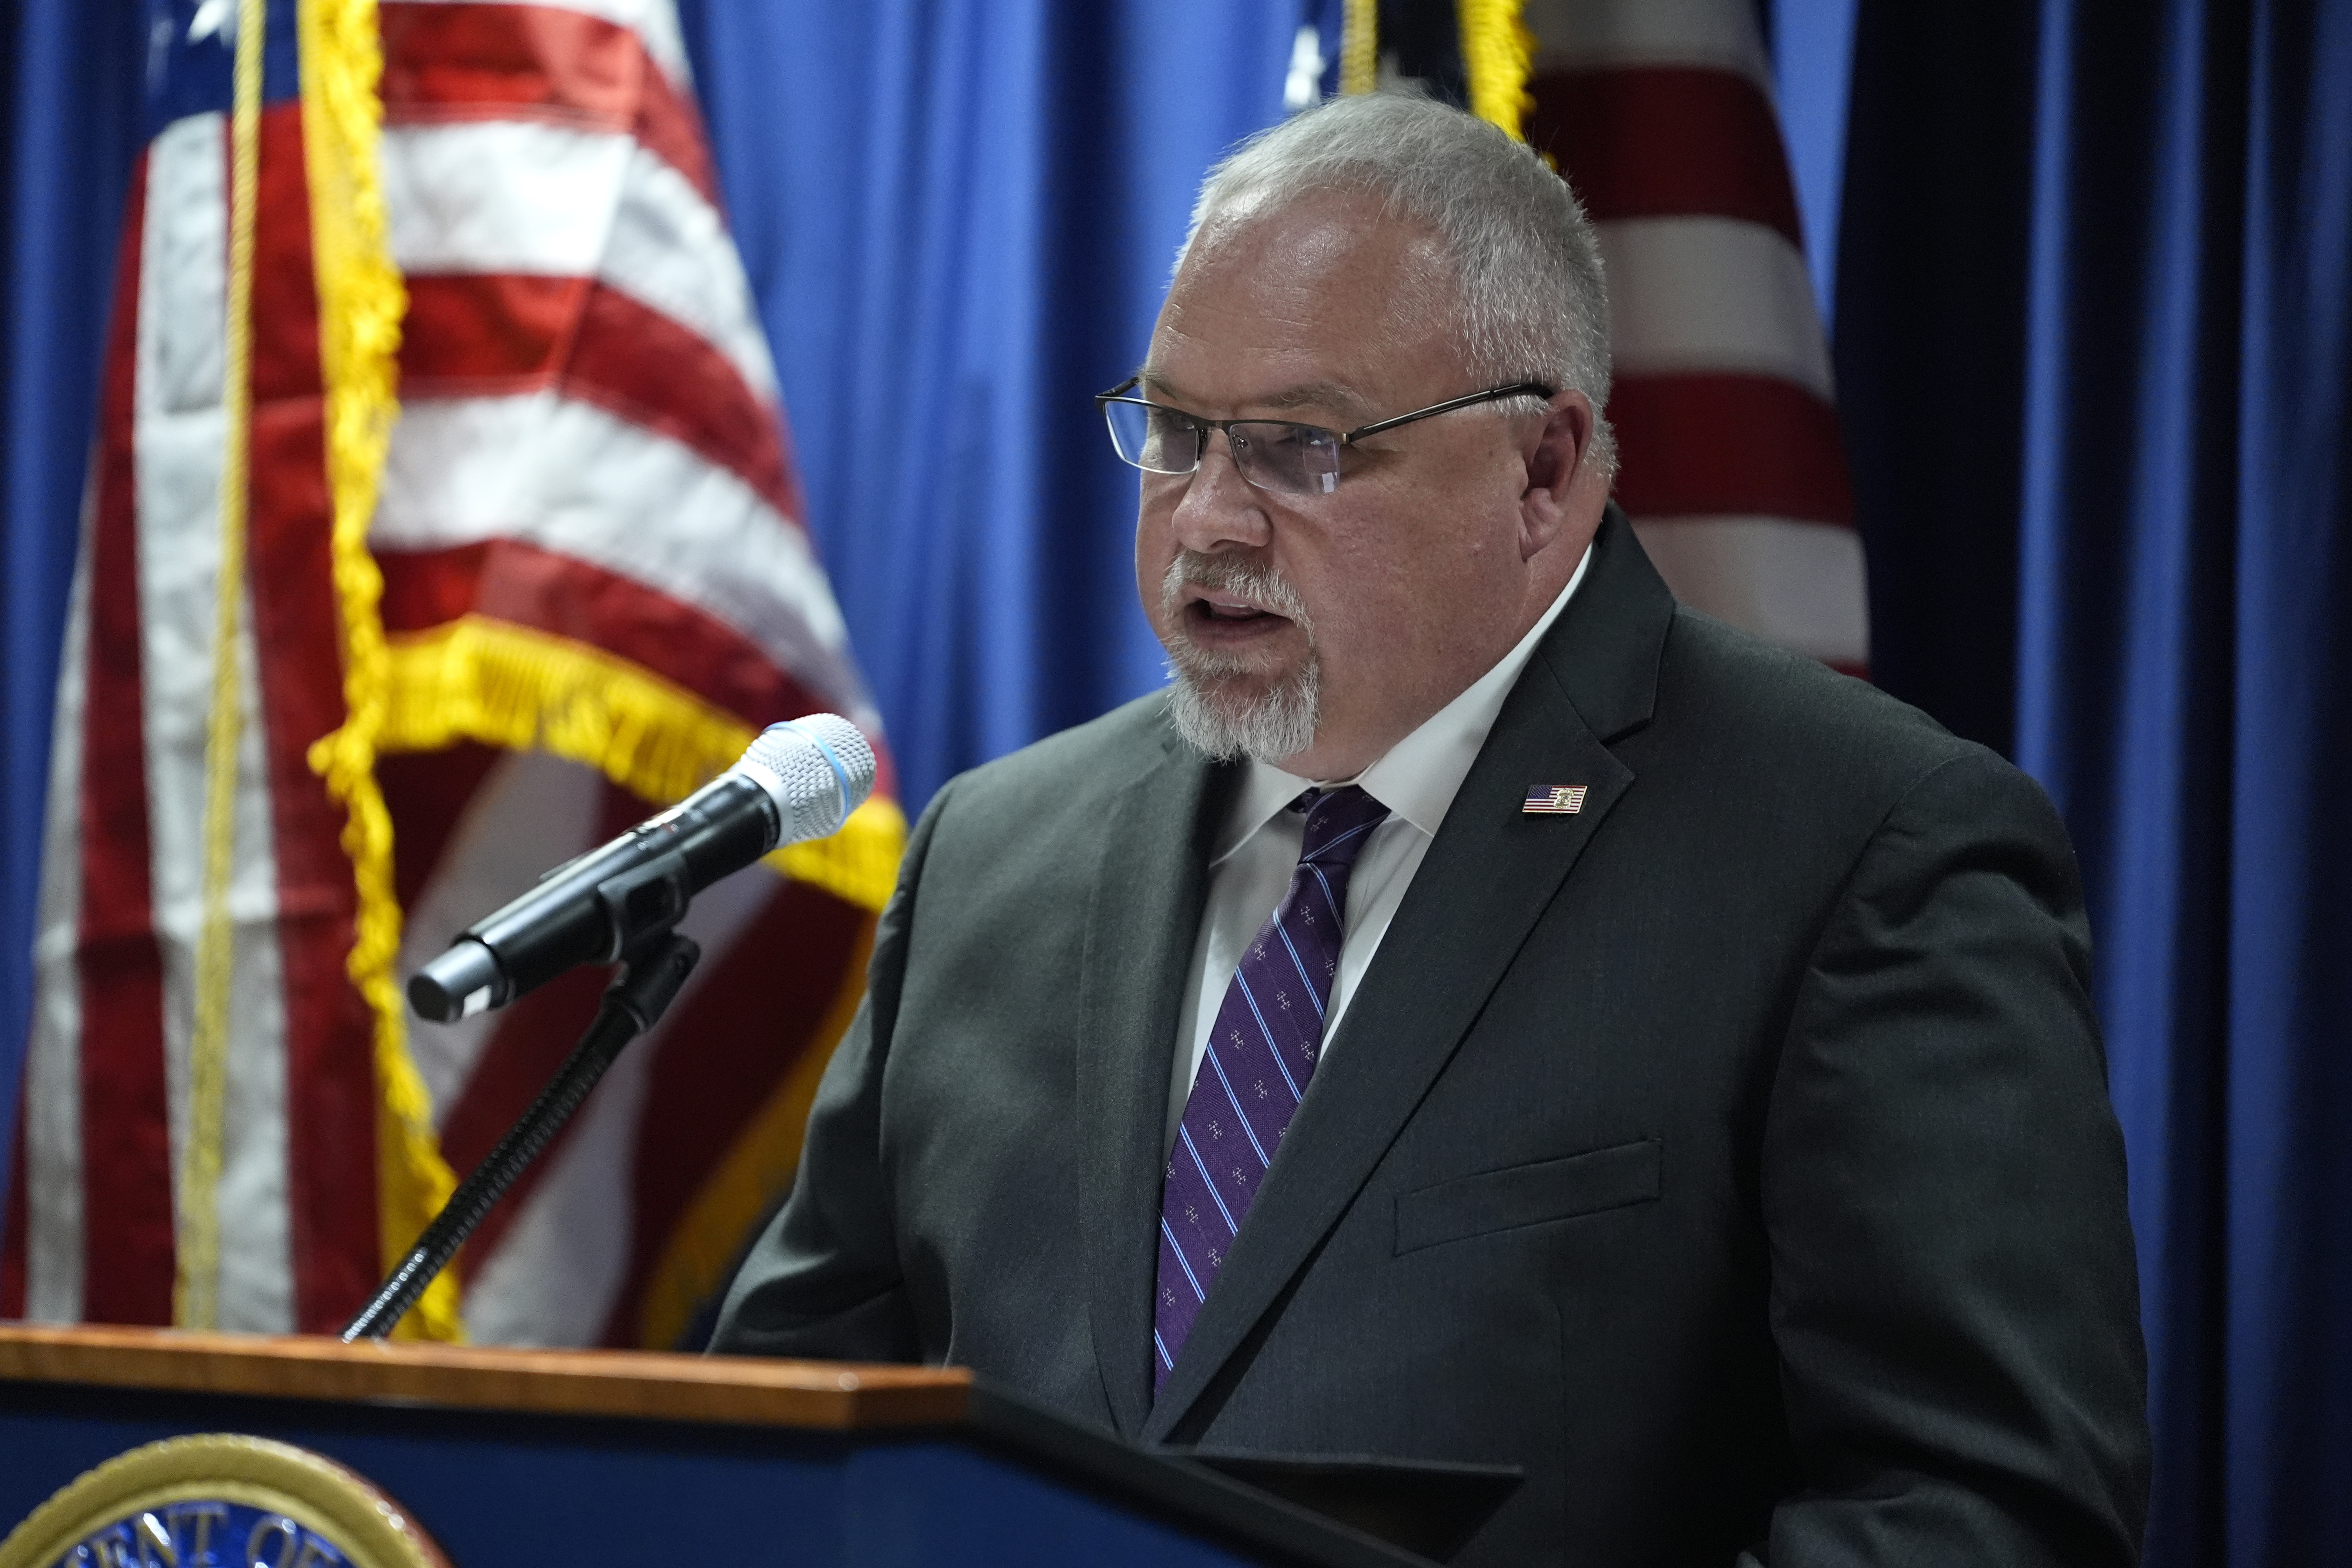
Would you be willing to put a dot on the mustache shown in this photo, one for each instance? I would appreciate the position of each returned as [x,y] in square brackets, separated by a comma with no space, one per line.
[1254,580]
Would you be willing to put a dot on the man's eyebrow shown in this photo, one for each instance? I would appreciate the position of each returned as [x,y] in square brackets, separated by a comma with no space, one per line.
[1329,394]
[1320,394]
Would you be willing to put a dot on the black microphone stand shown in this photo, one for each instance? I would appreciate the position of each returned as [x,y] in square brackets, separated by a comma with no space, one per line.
[656,966]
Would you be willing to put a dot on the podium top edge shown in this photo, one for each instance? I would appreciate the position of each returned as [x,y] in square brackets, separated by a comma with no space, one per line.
[643,1385]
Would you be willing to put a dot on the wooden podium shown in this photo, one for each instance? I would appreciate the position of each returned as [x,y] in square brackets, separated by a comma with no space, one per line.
[510,1458]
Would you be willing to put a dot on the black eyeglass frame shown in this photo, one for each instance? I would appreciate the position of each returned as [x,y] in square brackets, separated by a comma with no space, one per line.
[1103,400]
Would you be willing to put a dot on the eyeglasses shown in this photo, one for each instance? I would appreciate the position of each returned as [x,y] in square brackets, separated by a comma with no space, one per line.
[1272,454]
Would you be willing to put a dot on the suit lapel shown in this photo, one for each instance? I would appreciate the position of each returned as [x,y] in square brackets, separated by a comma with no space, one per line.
[1460,928]
[1140,925]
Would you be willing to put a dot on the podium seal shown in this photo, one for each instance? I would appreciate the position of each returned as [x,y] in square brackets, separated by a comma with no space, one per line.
[219,1501]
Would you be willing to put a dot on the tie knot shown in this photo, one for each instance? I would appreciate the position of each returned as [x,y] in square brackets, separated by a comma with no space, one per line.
[1338,822]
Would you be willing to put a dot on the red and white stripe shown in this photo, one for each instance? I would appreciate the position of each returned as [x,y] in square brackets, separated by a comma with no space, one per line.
[122,899]
[590,446]
[1660,114]
[583,358]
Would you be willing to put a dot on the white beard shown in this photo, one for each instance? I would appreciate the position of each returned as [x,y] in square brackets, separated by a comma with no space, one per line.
[1268,727]
[1211,715]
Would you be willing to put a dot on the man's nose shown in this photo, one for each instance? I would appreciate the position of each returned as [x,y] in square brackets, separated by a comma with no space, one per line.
[1218,505]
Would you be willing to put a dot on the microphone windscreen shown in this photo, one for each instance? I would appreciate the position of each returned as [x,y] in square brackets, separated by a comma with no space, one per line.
[823,769]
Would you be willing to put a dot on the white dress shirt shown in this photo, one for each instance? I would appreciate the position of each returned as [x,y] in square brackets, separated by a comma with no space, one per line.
[1257,851]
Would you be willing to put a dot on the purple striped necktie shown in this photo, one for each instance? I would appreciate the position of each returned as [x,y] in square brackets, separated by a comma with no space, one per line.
[1268,1036]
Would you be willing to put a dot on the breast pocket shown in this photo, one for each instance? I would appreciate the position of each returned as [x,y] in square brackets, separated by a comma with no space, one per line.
[1545,1190]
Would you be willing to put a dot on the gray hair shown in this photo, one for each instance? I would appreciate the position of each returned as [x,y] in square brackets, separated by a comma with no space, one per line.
[1525,261]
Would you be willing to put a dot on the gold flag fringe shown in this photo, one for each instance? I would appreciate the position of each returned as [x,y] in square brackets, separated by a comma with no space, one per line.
[361,300]
[481,679]
[1497,55]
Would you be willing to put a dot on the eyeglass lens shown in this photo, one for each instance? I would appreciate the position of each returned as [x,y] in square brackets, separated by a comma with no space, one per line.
[1271,454]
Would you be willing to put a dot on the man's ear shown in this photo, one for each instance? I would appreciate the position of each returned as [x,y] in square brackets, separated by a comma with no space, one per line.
[1558,457]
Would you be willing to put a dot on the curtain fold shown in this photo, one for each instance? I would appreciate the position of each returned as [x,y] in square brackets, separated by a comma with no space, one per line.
[1929,339]
[2290,1176]
[2094,361]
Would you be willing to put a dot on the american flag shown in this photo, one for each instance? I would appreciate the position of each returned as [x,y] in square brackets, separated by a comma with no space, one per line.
[1661,114]
[1558,800]
[594,587]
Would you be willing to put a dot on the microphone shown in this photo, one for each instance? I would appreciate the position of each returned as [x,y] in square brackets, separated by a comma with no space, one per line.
[799,780]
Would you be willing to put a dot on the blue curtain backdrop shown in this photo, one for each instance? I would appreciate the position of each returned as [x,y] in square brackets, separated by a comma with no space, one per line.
[2091,274]
[2185,688]
[2093,288]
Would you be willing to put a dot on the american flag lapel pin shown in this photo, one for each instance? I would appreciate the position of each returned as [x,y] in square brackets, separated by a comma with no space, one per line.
[1554,800]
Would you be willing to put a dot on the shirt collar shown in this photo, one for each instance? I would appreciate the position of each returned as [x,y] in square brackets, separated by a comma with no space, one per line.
[1417,777]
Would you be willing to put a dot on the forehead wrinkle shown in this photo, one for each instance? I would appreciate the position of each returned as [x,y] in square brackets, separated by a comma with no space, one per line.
[1332,394]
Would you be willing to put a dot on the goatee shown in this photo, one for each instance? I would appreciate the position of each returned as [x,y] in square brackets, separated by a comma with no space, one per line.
[1214,701]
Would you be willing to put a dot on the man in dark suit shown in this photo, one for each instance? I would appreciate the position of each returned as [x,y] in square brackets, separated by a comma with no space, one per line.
[1484,1012]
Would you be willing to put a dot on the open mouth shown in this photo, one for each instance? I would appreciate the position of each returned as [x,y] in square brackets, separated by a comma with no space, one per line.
[1228,609]
[1222,602]
[1220,617]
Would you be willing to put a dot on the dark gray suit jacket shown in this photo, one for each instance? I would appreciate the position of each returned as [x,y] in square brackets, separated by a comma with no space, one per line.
[1734,1155]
